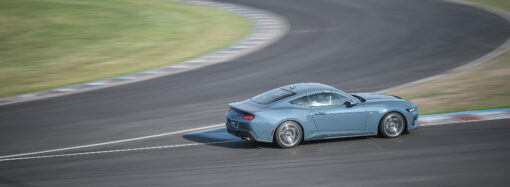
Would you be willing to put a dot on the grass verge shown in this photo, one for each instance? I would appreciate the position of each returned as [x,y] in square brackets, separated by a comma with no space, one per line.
[46,44]
[484,86]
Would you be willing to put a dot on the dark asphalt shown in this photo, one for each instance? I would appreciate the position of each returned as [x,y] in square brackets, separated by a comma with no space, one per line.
[357,45]
[469,154]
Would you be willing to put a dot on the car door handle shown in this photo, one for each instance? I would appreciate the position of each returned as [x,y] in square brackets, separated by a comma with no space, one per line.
[320,113]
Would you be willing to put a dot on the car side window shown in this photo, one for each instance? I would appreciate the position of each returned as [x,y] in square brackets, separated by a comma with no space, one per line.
[320,99]
[327,99]
[337,99]
[303,101]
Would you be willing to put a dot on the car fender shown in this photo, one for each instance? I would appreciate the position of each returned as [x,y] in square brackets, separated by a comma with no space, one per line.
[301,116]
[377,111]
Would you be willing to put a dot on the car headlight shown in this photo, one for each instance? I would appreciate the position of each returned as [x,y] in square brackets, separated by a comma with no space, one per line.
[411,109]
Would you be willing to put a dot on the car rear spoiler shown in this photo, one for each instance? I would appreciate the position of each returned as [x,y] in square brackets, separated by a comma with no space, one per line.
[247,106]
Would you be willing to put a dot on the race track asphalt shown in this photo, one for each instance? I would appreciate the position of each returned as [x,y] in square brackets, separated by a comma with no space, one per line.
[469,154]
[354,45]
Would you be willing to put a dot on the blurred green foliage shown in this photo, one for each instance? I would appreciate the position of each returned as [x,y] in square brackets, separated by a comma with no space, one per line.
[46,44]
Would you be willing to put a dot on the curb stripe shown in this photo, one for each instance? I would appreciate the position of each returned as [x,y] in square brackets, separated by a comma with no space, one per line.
[467,116]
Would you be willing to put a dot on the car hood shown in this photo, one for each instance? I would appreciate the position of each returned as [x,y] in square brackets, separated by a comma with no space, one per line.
[373,97]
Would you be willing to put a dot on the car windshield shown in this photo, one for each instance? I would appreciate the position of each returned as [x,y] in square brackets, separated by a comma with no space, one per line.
[272,96]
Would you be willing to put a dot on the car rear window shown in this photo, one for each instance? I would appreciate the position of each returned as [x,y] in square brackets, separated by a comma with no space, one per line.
[272,96]
[303,101]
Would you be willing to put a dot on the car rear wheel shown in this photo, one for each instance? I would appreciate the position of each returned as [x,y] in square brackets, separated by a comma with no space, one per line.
[392,125]
[288,134]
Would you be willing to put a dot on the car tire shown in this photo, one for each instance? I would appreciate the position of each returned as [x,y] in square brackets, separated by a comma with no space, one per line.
[288,135]
[392,125]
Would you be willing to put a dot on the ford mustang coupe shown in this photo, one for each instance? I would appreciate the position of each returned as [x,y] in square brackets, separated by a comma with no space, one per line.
[308,111]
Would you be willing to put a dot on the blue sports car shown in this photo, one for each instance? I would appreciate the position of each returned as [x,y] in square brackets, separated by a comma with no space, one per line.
[308,111]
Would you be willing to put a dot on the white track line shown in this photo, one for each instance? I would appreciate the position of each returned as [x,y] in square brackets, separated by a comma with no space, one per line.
[112,142]
[117,150]
[18,156]
[9,157]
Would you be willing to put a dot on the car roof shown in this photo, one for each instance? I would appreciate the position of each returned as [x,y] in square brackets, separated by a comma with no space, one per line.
[299,88]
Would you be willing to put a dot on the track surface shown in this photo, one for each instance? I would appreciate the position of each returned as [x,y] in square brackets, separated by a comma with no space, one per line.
[358,45]
[470,154]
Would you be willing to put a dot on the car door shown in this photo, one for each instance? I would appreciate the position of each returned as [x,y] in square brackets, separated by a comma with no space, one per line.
[333,116]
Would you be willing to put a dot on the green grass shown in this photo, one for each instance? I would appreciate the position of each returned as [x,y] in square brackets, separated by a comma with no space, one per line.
[502,4]
[485,86]
[47,44]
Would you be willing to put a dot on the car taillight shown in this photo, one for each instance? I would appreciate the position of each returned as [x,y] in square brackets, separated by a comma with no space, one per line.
[248,116]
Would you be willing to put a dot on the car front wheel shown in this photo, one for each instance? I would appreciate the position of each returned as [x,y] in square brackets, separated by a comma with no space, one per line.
[288,134]
[392,125]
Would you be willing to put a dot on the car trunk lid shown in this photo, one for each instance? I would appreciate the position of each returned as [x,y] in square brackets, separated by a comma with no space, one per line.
[247,106]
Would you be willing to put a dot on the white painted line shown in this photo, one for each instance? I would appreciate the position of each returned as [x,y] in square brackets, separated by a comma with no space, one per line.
[179,66]
[112,142]
[125,77]
[241,47]
[152,72]
[198,61]
[95,83]
[259,38]
[118,150]
[28,95]
[199,129]
[64,90]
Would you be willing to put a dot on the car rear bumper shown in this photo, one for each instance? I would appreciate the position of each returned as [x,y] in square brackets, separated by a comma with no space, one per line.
[242,130]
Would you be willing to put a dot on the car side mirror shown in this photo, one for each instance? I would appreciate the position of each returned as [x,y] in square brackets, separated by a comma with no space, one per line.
[350,103]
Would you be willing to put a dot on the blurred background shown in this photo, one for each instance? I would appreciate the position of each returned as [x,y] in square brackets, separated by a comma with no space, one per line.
[134,134]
